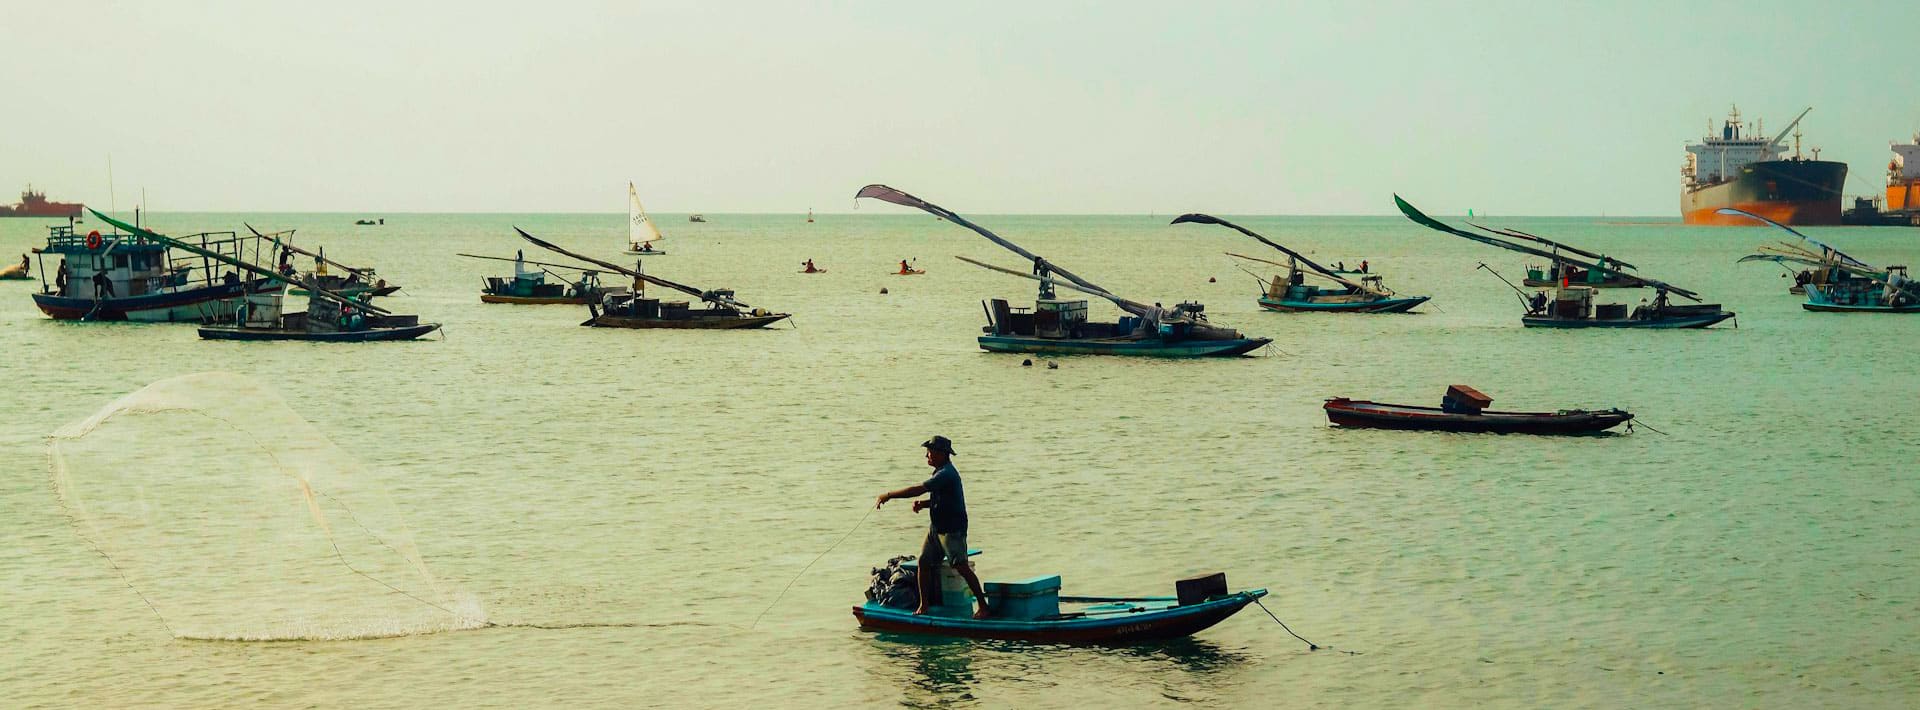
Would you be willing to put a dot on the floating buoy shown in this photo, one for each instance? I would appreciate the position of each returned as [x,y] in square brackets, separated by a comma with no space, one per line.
[1210,279]
[1026,363]
[883,290]
[1053,365]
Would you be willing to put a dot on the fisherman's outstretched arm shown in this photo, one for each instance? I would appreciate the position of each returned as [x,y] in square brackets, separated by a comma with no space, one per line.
[913,491]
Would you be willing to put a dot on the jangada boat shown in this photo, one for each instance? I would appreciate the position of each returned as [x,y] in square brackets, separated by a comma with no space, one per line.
[1058,326]
[528,286]
[1572,305]
[127,277]
[329,317]
[1838,282]
[1032,610]
[1367,295]
[641,231]
[350,281]
[1463,410]
[636,310]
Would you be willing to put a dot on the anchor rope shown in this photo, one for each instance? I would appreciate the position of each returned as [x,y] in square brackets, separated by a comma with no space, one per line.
[1311,646]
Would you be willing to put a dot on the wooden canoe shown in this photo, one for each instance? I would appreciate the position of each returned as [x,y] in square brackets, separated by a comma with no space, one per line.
[1359,413]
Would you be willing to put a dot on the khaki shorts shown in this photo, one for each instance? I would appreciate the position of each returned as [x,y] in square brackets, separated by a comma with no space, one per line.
[952,547]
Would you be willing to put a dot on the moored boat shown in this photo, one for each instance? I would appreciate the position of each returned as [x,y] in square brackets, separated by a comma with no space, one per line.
[528,286]
[128,277]
[636,310]
[1463,410]
[1060,326]
[1571,305]
[1033,610]
[1369,294]
[329,316]
[1837,282]
[22,271]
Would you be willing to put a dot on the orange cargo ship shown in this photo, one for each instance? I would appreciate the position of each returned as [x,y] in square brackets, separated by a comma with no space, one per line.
[1750,173]
[1903,177]
[35,204]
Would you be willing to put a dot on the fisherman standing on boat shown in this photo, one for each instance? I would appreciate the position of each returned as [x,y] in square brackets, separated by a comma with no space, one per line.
[60,278]
[947,537]
[1538,304]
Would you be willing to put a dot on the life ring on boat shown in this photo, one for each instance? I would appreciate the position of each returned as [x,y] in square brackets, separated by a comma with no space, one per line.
[93,239]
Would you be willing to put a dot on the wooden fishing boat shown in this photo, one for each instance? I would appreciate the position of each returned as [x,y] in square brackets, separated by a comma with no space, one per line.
[636,310]
[641,231]
[127,277]
[1058,326]
[1032,610]
[17,272]
[1369,294]
[1838,282]
[329,317]
[696,218]
[351,281]
[529,287]
[1572,305]
[1540,276]
[1463,410]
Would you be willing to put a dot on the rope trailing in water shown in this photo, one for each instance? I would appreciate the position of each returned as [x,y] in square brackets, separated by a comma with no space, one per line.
[803,570]
[1311,646]
[1644,425]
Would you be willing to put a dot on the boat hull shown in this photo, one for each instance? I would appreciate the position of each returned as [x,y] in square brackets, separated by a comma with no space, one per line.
[718,323]
[644,253]
[1169,622]
[535,300]
[1386,305]
[187,306]
[1836,308]
[1538,283]
[1689,321]
[1362,414]
[1793,192]
[1120,346]
[228,332]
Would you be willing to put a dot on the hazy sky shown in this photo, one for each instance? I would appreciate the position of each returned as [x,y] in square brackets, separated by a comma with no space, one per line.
[1096,107]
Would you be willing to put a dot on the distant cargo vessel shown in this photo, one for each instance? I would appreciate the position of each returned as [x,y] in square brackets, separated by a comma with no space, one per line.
[1903,177]
[35,204]
[1749,173]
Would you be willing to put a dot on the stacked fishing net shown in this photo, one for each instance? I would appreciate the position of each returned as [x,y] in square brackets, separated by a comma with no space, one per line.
[232,517]
[895,586]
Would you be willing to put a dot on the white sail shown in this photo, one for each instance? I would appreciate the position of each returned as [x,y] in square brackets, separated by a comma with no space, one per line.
[640,229]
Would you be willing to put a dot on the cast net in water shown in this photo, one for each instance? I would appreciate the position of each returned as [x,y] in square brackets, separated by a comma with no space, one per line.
[234,518]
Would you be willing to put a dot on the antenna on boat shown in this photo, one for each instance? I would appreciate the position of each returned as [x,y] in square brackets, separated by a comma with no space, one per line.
[112,199]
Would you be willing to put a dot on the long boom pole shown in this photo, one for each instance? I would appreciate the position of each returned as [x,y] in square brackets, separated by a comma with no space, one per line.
[1197,218]
[1517,234]
[899,197]
[616,268]
[1422,219]
[312,288]
[1123,303]
[524,261]
[275,238]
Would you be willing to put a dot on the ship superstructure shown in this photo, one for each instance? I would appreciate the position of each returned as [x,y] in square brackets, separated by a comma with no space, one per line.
[1903,176]
[1754,173]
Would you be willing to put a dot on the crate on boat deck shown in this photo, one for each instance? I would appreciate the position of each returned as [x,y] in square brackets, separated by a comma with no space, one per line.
[1194,590]
[1033,598]
[1461,399]
[1610,311]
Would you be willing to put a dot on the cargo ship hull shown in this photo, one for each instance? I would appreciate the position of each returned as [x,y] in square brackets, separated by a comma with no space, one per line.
[1798,192]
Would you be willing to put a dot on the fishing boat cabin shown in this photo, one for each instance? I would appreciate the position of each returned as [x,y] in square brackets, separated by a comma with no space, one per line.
[124,277]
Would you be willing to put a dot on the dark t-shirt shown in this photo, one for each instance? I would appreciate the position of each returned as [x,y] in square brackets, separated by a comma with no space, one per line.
[949,510]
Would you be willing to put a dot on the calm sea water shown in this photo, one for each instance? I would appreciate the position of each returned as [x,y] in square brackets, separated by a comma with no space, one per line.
[1759,554]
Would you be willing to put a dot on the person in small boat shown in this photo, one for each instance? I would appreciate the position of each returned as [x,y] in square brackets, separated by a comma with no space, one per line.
[947,536]
[809,265]
[904,268]
[1659,301]
[1537,304]
[1363,266]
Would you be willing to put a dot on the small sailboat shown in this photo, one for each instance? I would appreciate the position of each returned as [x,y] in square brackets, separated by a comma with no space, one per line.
[1366,295]
[637,310]
[1059,326]
[809,215]
[641,232]
[330,316]
[1572,304]
[1838,282]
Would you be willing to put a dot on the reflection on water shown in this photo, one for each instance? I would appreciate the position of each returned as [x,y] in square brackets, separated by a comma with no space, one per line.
[939,672]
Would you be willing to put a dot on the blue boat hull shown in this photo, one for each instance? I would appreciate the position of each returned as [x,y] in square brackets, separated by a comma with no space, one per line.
[1699,321]
[1836,308]
[1157,619]
[346,336]
[1386,305]
[1152,347]
[190,305]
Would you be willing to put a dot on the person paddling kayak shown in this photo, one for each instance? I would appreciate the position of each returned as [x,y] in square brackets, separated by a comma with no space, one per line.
[947,537]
